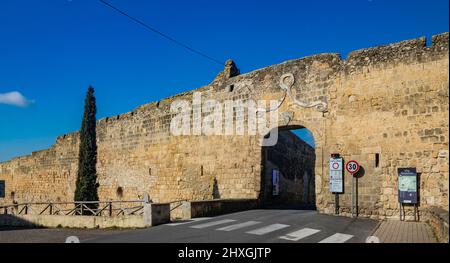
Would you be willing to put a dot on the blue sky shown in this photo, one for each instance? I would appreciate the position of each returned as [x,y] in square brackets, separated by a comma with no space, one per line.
[51,50]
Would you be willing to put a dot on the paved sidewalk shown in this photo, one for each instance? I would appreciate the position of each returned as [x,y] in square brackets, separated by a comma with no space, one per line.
[395,231]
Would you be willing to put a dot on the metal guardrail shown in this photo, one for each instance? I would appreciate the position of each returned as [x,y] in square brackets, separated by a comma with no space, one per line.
[92,208]
[178,204]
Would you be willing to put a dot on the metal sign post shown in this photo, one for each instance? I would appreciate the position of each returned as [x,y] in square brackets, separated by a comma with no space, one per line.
[336,204]
[407,190]
[353,196]
[336,179]
[353,167]
[356,196]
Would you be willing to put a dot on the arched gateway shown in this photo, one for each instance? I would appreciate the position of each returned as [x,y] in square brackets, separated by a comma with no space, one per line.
[386,107]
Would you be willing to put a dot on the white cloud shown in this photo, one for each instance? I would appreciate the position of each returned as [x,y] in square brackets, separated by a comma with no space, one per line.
[14,98]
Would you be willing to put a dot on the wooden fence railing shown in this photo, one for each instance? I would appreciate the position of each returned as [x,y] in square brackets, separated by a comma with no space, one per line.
[93,208]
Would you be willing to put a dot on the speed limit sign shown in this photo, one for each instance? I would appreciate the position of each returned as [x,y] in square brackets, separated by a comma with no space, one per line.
[352,166]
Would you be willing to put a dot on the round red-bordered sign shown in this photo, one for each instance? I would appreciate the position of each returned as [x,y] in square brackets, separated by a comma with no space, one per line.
[352,166]
[336,166]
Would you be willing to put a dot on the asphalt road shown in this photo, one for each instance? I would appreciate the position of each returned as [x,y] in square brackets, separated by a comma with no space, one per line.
[254,226]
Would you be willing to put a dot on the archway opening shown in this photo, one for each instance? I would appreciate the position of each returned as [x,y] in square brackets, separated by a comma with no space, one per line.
[288,170]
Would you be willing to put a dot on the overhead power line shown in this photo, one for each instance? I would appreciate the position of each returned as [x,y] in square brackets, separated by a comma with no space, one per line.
[162,34]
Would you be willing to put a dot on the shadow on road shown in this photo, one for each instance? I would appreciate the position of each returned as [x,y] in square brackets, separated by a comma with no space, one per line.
[15,228]
[289,207]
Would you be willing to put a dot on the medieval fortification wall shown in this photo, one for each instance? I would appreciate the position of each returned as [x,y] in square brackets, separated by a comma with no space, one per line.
[386,107]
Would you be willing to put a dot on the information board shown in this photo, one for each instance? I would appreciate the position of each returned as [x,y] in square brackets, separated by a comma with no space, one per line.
[336,181]
[275,182]
[2,189]
[407,185]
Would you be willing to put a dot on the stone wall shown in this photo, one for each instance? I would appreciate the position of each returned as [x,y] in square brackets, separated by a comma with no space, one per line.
[219,207]
[437,218]
[392,102]
[59,221]
[389,101]
[153,214]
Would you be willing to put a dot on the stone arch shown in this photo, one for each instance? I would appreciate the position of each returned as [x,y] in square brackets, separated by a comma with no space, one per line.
[295,161]
[299,109]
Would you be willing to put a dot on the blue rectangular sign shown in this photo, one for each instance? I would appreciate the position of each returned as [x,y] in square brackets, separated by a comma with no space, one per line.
[407,185]
[2,189]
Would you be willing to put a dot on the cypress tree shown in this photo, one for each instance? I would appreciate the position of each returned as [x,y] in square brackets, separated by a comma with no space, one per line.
[86,184]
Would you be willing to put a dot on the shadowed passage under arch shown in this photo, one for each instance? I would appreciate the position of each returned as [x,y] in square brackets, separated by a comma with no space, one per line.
[288,176]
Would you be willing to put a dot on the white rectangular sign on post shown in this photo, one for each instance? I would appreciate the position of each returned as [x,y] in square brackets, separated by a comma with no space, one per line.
[336,180]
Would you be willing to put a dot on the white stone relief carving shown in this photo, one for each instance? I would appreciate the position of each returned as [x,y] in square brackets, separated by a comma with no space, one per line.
[286,83]
[287,117]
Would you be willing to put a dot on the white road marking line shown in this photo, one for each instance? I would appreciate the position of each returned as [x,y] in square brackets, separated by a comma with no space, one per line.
[337,238]
[302,233]
[192,220]
[214,223]
[267,229]
[237,226]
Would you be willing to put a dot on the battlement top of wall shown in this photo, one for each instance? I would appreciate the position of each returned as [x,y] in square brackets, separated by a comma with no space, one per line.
[415,50]
[361,57]
[400,51]
[441,41]
[403,51]
[68,136]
